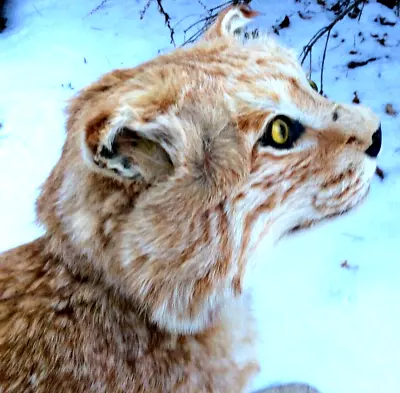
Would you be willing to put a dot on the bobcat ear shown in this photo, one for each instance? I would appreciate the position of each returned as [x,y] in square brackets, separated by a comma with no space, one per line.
[118,146]
[230,22]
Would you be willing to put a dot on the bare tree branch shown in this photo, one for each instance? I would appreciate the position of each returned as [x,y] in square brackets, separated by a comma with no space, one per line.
[97,8]
[206,21]
[321,90]
[167,21]
[145,8]
[327,29]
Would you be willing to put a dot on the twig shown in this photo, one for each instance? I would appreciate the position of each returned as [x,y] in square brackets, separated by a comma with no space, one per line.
[37,10]
[355,64]
[167,21]
[97,8]
[361,11]
[321,90]
[202,4]
[320,33]
[207,20]
[183,19]
[211,10]
[145,8]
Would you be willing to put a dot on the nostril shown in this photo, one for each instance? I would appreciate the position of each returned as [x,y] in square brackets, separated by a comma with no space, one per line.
[376,145]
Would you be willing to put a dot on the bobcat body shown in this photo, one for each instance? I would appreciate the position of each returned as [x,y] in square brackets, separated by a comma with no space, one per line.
[171,174]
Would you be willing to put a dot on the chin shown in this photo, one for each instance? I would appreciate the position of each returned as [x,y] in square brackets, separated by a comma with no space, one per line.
[345,206]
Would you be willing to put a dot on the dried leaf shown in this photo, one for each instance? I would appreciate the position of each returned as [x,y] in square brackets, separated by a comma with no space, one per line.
[285,23]
[390,110]
[379,172]
[336,7]
[384,22]
[355,100]
[345,265]
[305,17]
[355,64]
[381,41]
[355,13]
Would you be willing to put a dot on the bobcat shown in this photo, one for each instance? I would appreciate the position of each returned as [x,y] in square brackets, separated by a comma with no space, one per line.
[171,174]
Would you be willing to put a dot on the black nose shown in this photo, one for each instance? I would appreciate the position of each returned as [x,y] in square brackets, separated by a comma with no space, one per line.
[375,147]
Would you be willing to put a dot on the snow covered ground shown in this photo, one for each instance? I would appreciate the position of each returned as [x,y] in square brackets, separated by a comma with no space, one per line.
[328,299]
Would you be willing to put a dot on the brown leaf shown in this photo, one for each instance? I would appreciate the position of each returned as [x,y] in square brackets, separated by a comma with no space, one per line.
[355,64]
[303,16]
[381,41]
[345,265]
[354,13]
[384,22]
[336,7]
[285,23]
[390,110]
[379,172]
[355,100]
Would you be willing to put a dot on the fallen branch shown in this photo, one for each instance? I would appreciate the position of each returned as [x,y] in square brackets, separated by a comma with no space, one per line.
[355,64]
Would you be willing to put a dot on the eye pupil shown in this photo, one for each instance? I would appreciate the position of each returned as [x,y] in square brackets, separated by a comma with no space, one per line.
[279,131]
[283,130]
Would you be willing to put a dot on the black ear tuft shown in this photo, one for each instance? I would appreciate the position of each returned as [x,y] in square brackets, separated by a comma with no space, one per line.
[106,152]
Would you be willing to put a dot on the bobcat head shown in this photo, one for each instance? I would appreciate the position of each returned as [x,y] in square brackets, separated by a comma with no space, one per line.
[173,171]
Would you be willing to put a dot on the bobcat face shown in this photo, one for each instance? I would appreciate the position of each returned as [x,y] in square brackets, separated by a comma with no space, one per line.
[315,157]
[173,171]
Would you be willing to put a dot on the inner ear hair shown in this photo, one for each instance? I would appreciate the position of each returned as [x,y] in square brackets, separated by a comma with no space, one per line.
[132,156]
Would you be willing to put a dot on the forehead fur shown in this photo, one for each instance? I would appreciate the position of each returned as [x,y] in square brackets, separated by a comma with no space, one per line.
[222,79]
[243,77]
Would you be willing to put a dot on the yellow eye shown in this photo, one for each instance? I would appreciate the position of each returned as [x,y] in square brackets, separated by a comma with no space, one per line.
[279,131]
[313,85]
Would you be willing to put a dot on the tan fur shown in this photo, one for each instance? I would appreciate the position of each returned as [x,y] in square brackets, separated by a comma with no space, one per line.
[154,210]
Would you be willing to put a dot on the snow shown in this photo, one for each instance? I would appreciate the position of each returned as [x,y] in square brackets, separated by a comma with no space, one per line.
[335,327]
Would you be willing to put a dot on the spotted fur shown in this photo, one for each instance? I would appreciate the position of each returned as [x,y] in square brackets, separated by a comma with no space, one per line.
[154,210]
